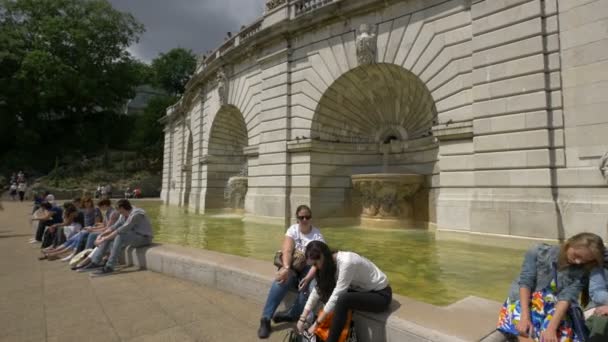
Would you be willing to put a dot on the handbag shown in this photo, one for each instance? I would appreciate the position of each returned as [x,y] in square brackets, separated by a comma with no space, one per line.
[576,315]
[298,260]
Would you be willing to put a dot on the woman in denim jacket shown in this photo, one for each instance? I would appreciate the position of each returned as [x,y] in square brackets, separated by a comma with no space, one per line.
[597,311]
[537,304]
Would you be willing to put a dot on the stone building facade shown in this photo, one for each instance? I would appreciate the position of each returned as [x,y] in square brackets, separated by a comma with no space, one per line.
[499,103]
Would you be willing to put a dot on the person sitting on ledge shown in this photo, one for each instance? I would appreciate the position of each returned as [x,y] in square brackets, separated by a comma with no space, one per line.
[133,228]
[551,279]
[297,237]
[345,281]
[597,311]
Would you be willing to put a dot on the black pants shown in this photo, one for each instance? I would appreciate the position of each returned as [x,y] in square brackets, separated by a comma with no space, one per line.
[21,195]
[55,238]
[375,301]
[40,231]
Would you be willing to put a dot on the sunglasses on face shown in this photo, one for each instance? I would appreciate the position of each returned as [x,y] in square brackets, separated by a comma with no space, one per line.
[302,218]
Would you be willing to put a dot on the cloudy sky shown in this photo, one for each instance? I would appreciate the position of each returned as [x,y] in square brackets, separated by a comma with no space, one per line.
[199,25]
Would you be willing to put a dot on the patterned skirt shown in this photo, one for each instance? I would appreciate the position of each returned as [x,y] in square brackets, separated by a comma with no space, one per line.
[542,308]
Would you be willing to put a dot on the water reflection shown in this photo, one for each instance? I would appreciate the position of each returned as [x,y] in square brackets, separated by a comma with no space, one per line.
[418,266]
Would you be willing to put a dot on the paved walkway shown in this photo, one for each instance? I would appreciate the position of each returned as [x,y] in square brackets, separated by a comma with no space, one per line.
[45,301]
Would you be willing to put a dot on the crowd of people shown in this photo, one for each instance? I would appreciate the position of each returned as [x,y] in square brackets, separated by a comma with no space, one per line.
[17,186]
[90,236]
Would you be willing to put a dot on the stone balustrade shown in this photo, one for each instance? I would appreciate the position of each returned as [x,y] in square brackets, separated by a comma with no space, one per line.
[306,6]
[272,4]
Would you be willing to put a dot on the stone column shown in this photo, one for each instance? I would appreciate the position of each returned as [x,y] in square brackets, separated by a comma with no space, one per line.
[198,124]
[167,162]
[270,185]
[517,140]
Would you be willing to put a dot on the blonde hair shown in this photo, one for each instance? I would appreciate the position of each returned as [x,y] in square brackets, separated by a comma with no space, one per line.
[591,241]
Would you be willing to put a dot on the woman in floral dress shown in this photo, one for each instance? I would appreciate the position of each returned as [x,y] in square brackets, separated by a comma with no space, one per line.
[551,278]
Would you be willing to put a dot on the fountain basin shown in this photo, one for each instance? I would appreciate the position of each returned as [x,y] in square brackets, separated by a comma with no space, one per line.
[386,198]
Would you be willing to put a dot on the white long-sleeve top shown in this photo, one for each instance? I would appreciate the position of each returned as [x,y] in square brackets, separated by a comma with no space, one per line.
[353,272]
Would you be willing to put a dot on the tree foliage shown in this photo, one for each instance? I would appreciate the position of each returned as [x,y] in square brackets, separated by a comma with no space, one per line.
[173,70]
[147,136]
[64,74]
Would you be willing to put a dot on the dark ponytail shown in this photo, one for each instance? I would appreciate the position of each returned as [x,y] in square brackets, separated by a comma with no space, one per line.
[326,276]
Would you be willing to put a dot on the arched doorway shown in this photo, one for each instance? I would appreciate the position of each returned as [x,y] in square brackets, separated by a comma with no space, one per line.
[377,118]
[227,139]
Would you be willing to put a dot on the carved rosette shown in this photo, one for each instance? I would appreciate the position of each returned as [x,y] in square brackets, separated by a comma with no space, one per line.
[222,87]
[366,45]
[604,166]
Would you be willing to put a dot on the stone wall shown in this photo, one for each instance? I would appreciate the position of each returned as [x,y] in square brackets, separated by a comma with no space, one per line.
[506,95]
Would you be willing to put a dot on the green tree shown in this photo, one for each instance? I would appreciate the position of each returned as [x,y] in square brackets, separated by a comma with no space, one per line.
[63,64]
[147,136]
[173,70]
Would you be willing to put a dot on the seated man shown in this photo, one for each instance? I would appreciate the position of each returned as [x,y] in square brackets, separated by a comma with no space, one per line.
[52,215]
[133,228]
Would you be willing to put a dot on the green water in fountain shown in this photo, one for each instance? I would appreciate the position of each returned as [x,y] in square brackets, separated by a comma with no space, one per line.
[418,265]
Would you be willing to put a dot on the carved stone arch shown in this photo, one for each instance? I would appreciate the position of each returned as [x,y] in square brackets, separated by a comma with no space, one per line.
[363,110]
[369,100]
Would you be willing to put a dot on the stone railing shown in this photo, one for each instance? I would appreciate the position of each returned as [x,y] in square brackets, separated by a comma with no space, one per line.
[272,4]
[305,6]
[250,31]
[228,45]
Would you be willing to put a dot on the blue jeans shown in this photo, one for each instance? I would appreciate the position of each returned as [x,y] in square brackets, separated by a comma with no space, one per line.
[76,239]
[91,240]
[122,240]
[278,292]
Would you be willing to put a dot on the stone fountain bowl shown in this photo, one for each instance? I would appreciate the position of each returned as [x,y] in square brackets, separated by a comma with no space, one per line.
[386,198]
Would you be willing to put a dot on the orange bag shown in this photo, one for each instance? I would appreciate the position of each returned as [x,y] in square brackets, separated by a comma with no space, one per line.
[323,328]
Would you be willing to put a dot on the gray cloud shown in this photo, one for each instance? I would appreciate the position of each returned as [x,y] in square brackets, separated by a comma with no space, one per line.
[199,25]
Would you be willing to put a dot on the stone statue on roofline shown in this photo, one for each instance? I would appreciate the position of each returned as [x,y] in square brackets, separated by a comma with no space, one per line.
[366,44]
[222,86]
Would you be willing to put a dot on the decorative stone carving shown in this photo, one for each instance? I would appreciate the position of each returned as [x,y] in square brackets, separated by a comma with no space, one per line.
[222,87]
[387,197]
[366,45]
[272,4]
[604,166]
[235,192]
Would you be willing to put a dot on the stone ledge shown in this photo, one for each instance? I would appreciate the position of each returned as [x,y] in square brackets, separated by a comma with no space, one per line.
[409,320]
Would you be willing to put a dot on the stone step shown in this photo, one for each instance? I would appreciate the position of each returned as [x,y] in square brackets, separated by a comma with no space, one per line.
[471,319]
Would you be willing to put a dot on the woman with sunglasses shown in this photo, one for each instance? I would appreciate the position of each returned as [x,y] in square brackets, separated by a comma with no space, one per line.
[297,237]
[345,281]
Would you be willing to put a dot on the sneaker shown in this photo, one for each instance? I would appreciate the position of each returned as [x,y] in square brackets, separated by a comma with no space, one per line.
[283,316]
[33,241]
[102,272]
[90,267]
[264,329]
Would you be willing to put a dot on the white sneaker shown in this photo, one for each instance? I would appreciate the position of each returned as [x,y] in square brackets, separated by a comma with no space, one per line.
[33,241]
[68,258]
